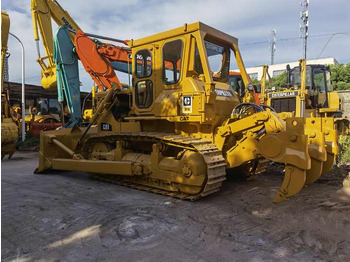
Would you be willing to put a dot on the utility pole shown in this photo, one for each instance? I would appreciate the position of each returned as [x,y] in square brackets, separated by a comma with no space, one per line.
[23,88]
[6,67]
[273,46]
[304,26]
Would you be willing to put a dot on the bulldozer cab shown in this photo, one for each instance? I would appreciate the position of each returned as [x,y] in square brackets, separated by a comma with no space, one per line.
[182,73]
[318,84]
[320,99]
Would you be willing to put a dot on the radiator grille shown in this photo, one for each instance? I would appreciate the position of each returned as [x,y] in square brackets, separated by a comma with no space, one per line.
[284,104]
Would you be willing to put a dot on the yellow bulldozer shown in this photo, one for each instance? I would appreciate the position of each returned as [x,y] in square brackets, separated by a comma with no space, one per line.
[309,94]
[180,129]
[9,129]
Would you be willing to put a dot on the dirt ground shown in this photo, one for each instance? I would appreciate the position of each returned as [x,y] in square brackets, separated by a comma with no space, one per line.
[66,216]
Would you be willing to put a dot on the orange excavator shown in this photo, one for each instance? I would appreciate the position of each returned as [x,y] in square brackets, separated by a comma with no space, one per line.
[97,59]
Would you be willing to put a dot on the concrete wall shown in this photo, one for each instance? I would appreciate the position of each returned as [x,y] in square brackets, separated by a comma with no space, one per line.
[346,102]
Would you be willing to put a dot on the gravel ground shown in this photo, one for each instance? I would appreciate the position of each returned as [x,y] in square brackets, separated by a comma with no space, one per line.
[66,216]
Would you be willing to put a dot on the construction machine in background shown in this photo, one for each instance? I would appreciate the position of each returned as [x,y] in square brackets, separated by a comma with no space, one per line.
[43,11]
[309,85]
[179,129]
[309,94]
[9,129]
[247,94]
[60,65]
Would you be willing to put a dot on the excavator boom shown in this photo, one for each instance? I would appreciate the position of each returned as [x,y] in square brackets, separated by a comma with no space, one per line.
[43,11]
[96,60]
[68,82]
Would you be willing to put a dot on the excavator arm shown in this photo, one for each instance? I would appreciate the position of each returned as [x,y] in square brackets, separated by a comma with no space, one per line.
[97,60]
[43,12]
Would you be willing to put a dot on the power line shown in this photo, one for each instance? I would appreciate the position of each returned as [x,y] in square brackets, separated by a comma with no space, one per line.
[324,47]
[294,38]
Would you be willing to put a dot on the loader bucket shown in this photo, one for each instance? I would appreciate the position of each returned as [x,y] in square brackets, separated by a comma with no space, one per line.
[9,136]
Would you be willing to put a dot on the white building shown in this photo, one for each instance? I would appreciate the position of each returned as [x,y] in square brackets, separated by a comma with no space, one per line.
[276,69]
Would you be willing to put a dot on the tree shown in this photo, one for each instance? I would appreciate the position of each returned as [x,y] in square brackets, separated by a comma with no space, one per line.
[340,76]
[279,81]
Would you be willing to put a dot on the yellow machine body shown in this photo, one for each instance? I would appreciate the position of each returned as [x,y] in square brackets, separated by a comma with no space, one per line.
[179,129]
[320,106]
[9,129]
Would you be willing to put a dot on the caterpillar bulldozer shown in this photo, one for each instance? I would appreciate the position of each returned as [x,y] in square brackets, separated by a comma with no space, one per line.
[180,129]
[9,129]
[309,94]
[309,84]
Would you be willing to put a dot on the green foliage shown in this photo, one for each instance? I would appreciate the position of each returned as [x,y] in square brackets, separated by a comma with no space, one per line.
[340,76]
[344,152]
[256,82]
[279,81]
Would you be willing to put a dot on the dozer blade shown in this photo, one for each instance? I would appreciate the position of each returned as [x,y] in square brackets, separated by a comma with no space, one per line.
[293,182]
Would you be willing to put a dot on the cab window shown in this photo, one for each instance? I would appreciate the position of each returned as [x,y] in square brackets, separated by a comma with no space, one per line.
[329,84]
[219,60]
[319,81]
[172,57]
[143,63]
[197,61]
[144,93]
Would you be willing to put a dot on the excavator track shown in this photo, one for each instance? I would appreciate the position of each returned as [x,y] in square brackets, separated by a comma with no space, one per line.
[216,165]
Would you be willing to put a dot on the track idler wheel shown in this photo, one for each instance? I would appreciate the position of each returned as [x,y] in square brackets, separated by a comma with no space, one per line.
[293,182]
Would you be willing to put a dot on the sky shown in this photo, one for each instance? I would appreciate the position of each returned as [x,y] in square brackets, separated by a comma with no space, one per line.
[251,21]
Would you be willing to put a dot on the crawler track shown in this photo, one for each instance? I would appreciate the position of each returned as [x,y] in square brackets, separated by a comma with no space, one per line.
[212,156]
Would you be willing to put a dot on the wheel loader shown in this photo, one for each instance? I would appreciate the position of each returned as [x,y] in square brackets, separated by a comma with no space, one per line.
[9,129]
[180,129]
